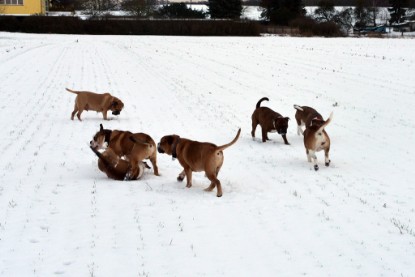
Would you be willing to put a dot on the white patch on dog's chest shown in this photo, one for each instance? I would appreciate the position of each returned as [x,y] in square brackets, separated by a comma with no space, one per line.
[273,131]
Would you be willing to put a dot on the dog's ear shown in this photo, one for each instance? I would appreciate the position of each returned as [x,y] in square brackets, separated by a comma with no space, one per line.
[114,103]
[101,127]
[170,139]
[287,118]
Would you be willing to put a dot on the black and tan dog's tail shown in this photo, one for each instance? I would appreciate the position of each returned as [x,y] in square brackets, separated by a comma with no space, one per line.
[298,108]
[73,91]
[223,147]
[260,100]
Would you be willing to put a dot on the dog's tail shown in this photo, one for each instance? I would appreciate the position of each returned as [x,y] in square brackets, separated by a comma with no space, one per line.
[326,123]
[223,147]
[108,166]
[260,100]
[298,108]
[73,91]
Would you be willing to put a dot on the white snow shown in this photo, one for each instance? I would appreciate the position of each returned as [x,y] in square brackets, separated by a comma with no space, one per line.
[61,216]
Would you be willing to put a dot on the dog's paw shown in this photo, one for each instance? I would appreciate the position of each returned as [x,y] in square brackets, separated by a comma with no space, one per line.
[328,164]
[315,167]
[180,178]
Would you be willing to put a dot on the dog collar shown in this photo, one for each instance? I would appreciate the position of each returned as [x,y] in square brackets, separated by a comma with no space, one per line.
[108,136]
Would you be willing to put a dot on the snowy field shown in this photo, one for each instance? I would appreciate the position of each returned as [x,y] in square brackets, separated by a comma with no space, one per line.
[61,216]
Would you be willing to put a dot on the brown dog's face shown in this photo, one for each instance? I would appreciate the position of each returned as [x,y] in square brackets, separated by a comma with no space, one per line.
[98,140]
[281,125]
[116,106]
[166,144]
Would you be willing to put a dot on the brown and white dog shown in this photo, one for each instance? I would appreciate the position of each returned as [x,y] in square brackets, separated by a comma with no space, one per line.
[317,139]
[135,147]
[90,101]
[196,156]
[269,121]
[306,116]
[116,168]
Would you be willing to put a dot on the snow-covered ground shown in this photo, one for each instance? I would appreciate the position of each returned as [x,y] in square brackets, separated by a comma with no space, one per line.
[61,216]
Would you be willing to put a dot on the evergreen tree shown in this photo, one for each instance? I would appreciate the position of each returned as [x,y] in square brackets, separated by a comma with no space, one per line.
[282,11]
[225,8]
[397,10]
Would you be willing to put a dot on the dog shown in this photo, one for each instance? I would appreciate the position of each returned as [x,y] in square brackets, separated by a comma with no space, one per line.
[196,156]
[269,121]
[317,139]
[135,147]
[90,101]
[116,168]
[306,116]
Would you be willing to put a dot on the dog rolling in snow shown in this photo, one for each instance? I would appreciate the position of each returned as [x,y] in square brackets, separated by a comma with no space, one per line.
[317,139]
[116,168]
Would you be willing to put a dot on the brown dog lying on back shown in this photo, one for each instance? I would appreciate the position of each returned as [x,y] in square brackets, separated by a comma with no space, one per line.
[135,147]
[116,168]
[90,101]
[315,137]
[269,121]
[196,156]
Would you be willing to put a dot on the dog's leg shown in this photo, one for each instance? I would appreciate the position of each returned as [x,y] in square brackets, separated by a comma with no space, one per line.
[153,161]
[104,113]
[75,109]
[308,155]
[79,114]
[214,183]
[264,135]
[300,130]
[254,125]
[181,176]
[284,137]
[326,156]
[313,157]
[188,172]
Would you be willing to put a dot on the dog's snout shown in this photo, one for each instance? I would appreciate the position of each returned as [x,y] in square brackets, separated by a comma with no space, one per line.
[159,149]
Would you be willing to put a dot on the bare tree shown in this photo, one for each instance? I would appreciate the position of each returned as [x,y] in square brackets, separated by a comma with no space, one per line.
[139,8]
[97,8]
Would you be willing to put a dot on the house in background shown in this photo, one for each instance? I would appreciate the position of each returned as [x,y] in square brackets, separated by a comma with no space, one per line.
[22,7]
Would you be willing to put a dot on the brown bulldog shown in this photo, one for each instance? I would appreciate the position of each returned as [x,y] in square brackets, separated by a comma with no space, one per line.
[269,121]
[116,168]
[135,147]
[317,139]
[196,156]
[306,116]
[90,101]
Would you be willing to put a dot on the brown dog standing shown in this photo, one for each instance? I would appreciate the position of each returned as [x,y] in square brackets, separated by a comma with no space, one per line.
[196,156]
[317,139]
[269,121]
[90,101]
[116,168]
[135,147]
[305,116]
